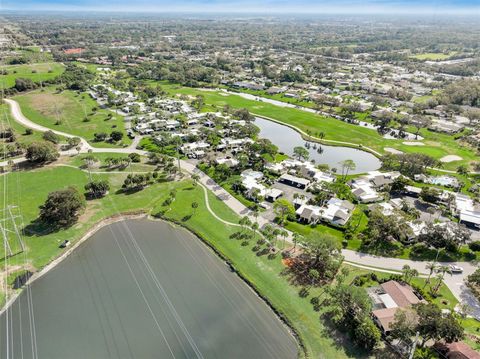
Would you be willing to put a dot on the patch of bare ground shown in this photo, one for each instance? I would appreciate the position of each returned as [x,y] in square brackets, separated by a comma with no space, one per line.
[50,105]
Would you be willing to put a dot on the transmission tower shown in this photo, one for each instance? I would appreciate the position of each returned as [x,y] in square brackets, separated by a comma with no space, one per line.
[9,228]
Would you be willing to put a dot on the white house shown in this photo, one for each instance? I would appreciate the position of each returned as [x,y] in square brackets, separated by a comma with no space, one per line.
[336,212]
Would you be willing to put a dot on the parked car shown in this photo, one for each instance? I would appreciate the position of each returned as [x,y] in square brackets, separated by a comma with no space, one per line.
[456,269]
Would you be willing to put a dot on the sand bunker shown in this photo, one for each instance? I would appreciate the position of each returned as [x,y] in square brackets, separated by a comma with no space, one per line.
[392,150]
[450,158]
[408,143]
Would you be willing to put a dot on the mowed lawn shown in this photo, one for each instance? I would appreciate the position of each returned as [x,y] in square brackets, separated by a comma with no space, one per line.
[435,144]
[67,111]
[35,72]
[29,189]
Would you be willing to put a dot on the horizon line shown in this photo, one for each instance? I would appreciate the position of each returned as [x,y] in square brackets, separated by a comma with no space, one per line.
[470,11]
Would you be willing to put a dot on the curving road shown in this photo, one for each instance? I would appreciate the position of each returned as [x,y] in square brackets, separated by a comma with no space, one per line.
[455,282]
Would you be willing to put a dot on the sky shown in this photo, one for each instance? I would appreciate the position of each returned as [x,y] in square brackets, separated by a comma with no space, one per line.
[447,7]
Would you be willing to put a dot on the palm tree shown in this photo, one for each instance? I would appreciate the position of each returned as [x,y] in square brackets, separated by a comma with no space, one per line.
[276,232]
[347,165]
[254,227]
[442,271]
[245,222]
[432,266]
[295,238]
[284,234]
[435,289]
[408,273]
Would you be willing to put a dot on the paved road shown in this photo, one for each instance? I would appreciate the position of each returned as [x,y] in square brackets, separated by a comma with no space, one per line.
[454,282]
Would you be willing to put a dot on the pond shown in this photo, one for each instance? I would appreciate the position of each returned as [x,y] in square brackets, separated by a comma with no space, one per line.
[143,289]
[286,138]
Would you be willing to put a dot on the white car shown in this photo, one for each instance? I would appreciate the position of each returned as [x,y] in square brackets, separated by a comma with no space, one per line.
[456,269]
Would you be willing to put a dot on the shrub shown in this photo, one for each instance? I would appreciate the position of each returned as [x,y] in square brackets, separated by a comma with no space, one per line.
[51,137]
[474,246]
[40,152]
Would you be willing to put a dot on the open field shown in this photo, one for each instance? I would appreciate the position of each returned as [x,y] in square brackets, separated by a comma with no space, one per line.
[100,165]
[67,112]
[6,121]
[29,189]
[433,56]
[435,144]
[36,72]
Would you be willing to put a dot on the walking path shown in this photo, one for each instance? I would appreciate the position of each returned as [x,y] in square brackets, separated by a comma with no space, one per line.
[454,282]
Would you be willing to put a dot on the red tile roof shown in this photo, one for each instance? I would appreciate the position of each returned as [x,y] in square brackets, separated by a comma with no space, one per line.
[459,349]
[73,51]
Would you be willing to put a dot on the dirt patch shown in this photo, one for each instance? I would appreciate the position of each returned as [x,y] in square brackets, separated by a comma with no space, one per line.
[50,105]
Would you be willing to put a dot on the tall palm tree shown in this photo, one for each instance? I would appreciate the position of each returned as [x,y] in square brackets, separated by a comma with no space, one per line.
[442,271]
[254,228]
[295,238]
[431,266]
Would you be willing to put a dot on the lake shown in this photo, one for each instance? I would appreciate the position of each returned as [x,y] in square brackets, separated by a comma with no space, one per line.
[286,138]
[143,289]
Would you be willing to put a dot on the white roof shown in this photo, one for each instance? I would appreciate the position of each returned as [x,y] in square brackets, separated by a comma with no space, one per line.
[388,301]
[251,173]
[287,177]
[386,208]
[363,190]
[250,183]
[273,192]
[471,217]
[323,177]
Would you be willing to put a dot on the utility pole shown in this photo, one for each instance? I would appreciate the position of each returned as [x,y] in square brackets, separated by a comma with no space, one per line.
[15,228]
[414,346]
[6,244]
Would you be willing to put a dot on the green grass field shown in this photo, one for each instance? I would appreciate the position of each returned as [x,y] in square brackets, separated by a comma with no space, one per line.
[433,56]
[67,111]
[100,165]
[36,72]
[435,144]
[6,121]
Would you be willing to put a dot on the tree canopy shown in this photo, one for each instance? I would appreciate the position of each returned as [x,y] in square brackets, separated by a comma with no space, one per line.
[62,208]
